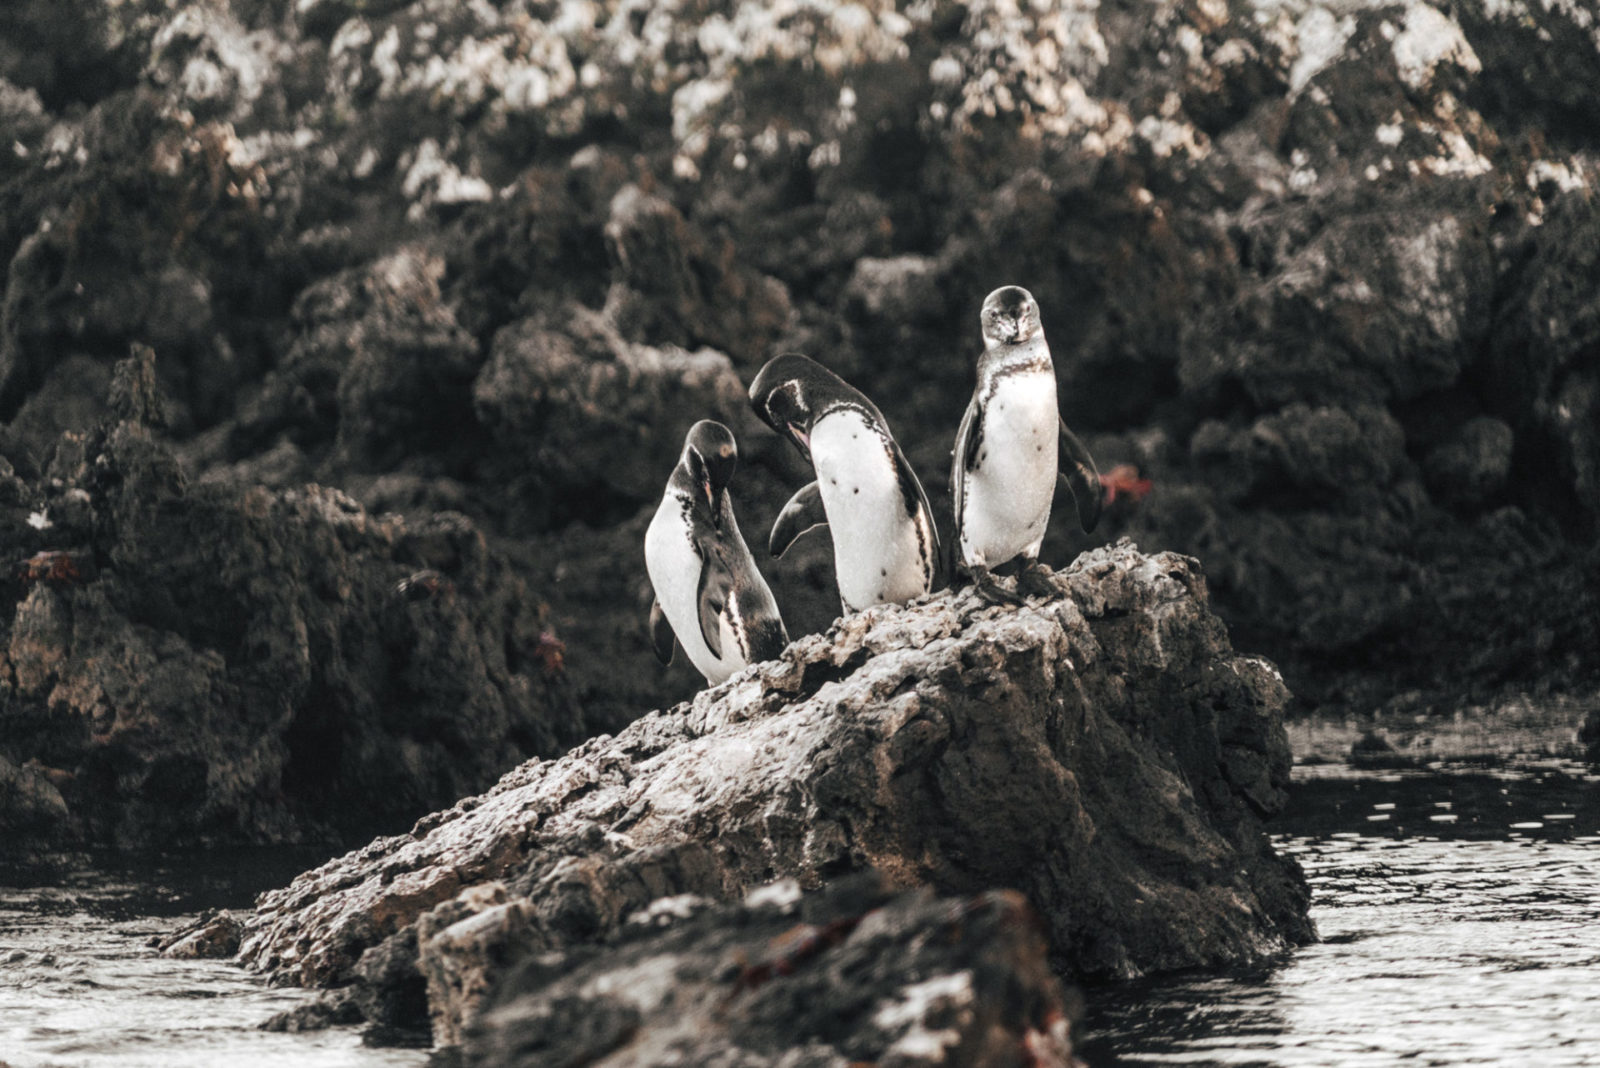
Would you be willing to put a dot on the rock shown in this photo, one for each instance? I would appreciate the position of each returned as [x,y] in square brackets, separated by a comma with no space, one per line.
[1472,467]
[31,806]
[359,234]
[464,948]
[573,406]
[216,663]
[1589,735]
[1540,367]
[848,976]
[669,287]
[325,1012]
[1302,451]
[1106,753]
[888,297]
[214,935]
[405,365]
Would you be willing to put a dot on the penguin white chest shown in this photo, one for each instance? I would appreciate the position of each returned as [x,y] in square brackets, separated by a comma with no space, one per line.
[674,566]
[878,550]
[1007,495]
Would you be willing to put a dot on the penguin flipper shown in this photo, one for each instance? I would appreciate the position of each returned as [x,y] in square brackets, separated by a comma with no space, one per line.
[911,491]
[712,598]
[661,636]
[1082,478]
[962,461]
[800,516]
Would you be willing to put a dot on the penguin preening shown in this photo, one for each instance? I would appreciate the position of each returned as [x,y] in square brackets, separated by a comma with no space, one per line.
[709,593]
[1006,461]
[885,541]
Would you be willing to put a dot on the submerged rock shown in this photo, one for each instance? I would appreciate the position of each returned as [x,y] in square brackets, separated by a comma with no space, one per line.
[1105,752]
[214,934]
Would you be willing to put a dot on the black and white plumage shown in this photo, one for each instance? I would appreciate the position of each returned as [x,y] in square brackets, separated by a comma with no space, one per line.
[709,593]
[885,542]
[1004,469]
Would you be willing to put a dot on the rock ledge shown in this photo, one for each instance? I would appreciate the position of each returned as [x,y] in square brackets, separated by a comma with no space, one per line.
[1106,753]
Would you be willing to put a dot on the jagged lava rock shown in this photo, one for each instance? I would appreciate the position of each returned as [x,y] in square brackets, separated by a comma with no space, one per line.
[842,976]
[1310,247]
[194,663]
[1105,752]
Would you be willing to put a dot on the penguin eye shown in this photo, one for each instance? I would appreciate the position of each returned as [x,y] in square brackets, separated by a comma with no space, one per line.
[782,404]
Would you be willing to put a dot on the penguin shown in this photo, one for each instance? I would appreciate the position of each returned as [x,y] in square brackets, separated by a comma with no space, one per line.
[1006,461]
[708,592]
[885,541]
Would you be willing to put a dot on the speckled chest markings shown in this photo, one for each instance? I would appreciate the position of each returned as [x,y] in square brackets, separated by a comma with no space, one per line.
[1006,462]
[882,535]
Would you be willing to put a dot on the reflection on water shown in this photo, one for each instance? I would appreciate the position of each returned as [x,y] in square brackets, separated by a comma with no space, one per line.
[80,985]
[1460,917]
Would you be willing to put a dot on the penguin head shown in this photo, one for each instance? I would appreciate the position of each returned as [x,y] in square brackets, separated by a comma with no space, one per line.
[709,457]
[781,398]
[1010,316]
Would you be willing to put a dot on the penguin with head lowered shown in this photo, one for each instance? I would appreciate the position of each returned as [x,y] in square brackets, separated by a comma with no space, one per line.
[885,542]
[1011,447]
[708,591]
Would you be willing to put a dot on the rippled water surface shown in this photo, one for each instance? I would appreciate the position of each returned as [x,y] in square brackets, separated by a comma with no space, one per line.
[1460,912]
[81,986]
[1460,917]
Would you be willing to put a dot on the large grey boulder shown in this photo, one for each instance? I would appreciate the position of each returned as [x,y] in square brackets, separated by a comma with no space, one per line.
[1105,752]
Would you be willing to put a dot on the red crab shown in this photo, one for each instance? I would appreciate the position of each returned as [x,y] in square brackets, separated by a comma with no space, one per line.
[52,566]
[550,651]
[1124,479]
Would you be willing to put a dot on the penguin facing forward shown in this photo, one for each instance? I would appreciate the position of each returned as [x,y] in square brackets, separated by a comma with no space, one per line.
[1006,461]
[708,591]
[885,542]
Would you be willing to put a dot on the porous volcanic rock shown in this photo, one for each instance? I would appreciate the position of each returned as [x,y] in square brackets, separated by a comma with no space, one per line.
[1304,265]
[213,662]
[837,977]
[1105,752]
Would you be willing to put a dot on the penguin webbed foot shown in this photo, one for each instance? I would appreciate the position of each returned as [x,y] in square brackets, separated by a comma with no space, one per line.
[988,587]
[1034,581]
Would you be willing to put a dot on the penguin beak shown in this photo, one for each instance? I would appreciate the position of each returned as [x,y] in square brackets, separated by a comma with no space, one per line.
[711,501]
[801,439]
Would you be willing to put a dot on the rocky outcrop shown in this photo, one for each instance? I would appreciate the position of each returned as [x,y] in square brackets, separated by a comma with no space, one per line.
[841,976]
[1310,267]
[1106,753]
[185,663]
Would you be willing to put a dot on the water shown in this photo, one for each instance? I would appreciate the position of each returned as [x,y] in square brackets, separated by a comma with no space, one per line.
[1460,912]
[80,986]
[1460,916]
